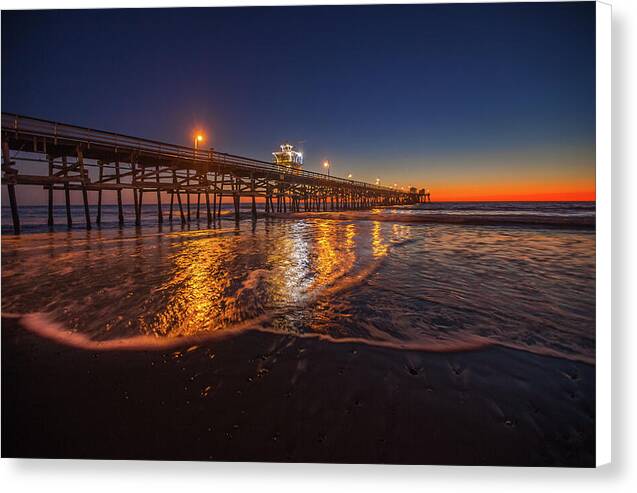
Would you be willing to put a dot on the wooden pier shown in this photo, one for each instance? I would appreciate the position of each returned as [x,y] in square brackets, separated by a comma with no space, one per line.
[63,156]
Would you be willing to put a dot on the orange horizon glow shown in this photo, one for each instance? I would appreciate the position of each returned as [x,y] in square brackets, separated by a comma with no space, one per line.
[532,189]
[578,196]
[534,174]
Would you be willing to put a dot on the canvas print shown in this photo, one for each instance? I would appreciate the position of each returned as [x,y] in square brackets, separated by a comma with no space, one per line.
[344,234]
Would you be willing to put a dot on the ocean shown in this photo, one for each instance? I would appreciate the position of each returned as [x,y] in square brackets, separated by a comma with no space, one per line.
[519,275]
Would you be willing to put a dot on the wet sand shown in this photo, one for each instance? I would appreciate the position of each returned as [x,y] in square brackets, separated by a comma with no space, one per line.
[256,396]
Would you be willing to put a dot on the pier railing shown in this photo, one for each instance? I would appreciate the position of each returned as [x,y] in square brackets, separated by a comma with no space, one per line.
[88,136]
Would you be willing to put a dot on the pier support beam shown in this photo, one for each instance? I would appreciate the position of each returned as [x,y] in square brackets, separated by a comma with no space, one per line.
[160,215]
[67,192]
[188,193]
[181,208]
[220,197]
[208,212]
[237,199]
[50,220]
[10,176]
[176,191]
[98,219]
[141,199]
[14,208]
[84,178]
[120,209]
[214,198]
[254,200]
[135,199]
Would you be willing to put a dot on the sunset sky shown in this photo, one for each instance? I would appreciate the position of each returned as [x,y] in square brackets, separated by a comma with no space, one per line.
[474,102]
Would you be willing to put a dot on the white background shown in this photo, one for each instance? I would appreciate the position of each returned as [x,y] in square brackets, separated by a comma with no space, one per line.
[621,475]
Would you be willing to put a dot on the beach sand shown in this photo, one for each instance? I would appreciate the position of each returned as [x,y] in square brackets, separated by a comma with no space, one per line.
[263,397]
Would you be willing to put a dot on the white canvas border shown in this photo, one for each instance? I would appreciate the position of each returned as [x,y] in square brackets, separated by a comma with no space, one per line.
[603,13]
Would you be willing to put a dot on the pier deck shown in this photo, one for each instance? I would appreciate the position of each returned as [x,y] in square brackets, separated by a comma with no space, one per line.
[68,157]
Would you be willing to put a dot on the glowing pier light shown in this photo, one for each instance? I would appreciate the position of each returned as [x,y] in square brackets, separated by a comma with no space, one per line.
[349,176]
[198,139]
[326,164]
[288,157]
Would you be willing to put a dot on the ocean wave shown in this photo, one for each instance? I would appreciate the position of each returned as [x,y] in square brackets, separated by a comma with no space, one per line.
[41,325]
[475,219]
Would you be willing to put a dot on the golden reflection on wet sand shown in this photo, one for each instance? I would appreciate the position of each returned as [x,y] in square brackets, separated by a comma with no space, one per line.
[186,283]
[195,293]
[333,257]
[202,294]
[350,235]
[288,261]
[379,247]
[333,277]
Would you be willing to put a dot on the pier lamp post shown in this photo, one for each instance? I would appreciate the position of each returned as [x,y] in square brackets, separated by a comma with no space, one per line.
[326,164]
[378,181]
[198,139]
[349,176]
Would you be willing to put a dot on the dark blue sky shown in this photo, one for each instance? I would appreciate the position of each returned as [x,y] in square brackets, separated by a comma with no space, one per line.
[422,93]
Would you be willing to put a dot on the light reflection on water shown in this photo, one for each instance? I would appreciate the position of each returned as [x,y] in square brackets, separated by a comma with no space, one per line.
[381,281]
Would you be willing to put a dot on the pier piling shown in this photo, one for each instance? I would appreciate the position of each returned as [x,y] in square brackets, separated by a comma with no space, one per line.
[50,211]
[160,215]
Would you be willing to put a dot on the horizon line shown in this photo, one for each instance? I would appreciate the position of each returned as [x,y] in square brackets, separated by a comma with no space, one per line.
[80,204]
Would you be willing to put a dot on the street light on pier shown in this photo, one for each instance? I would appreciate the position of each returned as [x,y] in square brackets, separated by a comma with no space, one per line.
[349,176]
[377,181]
[326,164]
[198,139]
